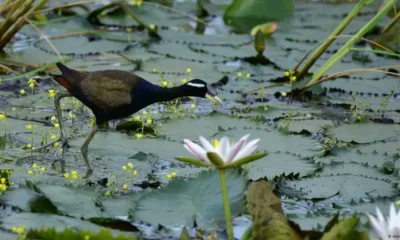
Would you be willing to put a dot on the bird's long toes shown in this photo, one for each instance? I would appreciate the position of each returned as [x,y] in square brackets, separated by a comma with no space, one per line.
[45,146]
[61,149]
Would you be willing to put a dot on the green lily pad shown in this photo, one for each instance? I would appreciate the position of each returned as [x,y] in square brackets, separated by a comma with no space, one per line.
[20,198]
[80,45]
[206,126]
[381,147]
[245,13]
[276,164]
[347,186]
[312,126]
[365,132]
[198,199]
[36,221]
[76,202]
[371,159]
[275,141]
[357,169]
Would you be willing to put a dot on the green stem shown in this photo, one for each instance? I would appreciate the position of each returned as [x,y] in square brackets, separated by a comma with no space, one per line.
[347,46]
[392,22]
[225,200]
[321,49]
[28,74]
[128,11]
[376,51]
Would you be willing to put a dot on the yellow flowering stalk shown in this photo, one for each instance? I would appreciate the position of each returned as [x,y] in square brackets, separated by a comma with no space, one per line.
[137,3]
[73,176]
[3,185]
[189,72]
[292,78]
[139,135]
[3,118]
[125,187]
[52,93]
[20,231]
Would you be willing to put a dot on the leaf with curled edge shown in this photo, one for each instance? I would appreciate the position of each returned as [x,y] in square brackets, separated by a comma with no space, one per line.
[268,218]
[346,230]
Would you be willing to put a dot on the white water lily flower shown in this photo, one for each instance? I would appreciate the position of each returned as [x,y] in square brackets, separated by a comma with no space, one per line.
[224,150]
[386,229]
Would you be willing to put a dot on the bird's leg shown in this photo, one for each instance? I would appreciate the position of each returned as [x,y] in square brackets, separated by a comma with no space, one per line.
[84,150]
[62,137]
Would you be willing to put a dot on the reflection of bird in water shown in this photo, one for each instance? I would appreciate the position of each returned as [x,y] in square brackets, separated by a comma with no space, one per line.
[115,94]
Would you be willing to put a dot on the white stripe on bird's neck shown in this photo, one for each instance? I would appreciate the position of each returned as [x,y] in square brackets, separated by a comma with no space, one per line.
[199,85]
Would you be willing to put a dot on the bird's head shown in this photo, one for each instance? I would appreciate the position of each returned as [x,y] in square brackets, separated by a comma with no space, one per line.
[198,88]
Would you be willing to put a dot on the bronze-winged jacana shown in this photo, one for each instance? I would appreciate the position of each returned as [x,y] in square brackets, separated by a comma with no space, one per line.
[115,94]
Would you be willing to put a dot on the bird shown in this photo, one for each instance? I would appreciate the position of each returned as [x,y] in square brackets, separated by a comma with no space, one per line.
[115,94]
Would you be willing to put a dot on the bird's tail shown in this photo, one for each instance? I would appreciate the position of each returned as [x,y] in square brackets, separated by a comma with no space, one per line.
[69,77]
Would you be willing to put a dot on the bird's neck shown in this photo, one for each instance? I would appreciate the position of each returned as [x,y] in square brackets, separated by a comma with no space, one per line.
[167,94]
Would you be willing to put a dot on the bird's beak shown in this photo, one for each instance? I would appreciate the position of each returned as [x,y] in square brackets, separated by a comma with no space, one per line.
[213,98]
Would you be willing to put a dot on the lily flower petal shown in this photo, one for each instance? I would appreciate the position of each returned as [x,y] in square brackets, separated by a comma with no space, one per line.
[376,226]
[196,150]
[247,149]
[223,148]
[207,145]
[236,148]
[385,228]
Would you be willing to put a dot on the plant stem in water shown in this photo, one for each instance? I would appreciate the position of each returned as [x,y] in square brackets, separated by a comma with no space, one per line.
[225,200]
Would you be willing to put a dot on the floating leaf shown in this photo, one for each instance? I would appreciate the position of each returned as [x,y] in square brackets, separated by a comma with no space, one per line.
[77,202]
[36,221]
[346,186]
[199,200]
[276,164]
[247,13]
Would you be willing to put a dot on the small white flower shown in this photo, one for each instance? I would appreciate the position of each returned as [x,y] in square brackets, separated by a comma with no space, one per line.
[226,152]
[386,228]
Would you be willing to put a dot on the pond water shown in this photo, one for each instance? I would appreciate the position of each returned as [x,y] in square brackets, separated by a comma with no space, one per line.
[325,162]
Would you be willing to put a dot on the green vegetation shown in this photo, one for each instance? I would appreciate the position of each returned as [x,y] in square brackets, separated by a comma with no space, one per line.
[316,83]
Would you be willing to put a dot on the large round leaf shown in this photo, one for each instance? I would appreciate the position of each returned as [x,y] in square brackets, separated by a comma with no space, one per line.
[248,13]
[184,201]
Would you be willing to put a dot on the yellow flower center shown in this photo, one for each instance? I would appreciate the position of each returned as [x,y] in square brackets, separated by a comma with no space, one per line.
[215,143]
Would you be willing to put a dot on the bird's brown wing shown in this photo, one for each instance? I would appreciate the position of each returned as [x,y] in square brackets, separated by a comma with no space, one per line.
[109,89]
